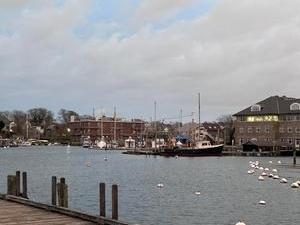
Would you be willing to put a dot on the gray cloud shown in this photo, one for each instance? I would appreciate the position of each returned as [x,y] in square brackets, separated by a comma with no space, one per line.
[239,53]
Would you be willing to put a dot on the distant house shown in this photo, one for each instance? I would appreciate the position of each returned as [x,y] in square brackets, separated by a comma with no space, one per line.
[6,120]
[273,124]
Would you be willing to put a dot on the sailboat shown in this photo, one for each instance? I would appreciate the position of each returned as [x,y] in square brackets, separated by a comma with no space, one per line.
[198,147]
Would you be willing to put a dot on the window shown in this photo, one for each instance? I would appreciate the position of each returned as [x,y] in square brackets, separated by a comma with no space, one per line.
[297,129]
[290,141]
[295,106]
[241,130]
[249,129]
[282,140]
[281,129]
[241,141]
[267,129]
[289,129]
[257,129]
[255,108]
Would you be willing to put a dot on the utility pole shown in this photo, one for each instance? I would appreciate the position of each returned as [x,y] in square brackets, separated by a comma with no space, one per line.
[180,121]
[27,126]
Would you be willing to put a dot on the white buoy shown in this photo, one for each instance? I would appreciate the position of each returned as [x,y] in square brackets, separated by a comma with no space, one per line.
[240,223]
[88,164]
[267,169]
[295,185]
[250,162]
[160,185]
[275,177]
[274,170]
[250,171]
[261,168]
[279,162]
[270,162]
[197,193]
[105,159]
[261,178]
[252,166]
[261,202]
[176,156]
[256,163]
[271,175]
[264,174]
[283,180]
[298,182]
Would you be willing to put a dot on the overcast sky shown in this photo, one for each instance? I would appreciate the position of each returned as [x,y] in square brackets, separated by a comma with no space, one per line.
[80,54]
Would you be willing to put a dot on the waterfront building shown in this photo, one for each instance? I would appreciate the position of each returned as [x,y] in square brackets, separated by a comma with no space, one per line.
[108,128]
[272,124]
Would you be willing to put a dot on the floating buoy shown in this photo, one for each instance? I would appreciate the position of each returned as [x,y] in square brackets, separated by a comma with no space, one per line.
[252,166]
[176,156]
[105,159]
[197,193]
[267,169]
[160,185]
[274,170]
[275,177]
[264,174]
[298,182]
[295,185]
[279,162]
[261,168]
[240,223]
[250,171]
[256,163]
[270,162]
[88,164]
[261,178]
[283,180]
[250,162]
[271,175]
[257,167]
[261,202]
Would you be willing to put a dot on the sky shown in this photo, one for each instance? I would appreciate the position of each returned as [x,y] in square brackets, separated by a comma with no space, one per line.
[85,54]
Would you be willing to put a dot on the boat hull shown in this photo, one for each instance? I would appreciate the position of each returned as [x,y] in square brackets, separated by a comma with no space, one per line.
[193,152]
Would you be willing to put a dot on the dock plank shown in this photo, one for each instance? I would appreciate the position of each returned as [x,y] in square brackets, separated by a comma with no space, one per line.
[12,213]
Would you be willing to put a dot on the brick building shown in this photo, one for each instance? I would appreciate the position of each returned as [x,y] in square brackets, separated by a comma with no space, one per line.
[106,127]
[273,124]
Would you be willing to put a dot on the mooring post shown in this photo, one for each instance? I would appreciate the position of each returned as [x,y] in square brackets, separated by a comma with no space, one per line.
[54,190]
[294,156]
[114,202]
[11,185]
[62,189]
[24,186]
[18,183]
[102,199]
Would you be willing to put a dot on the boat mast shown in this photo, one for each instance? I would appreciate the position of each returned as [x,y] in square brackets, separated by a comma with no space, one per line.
[199,110]
[115,125]
[155,125]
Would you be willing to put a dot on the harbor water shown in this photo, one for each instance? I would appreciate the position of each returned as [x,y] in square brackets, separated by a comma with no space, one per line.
[227,193]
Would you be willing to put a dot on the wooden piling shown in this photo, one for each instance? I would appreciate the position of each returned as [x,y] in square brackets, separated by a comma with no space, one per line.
[114,202]
[294,157]
[102,199]
[18,183]
[24,185]
[62,191]
[11,185]
[54,190]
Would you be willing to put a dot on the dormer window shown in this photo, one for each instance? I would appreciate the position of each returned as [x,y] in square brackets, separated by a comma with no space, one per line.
[295,106]
[255,108]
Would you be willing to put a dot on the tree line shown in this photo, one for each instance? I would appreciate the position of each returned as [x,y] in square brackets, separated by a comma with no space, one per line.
[40,117]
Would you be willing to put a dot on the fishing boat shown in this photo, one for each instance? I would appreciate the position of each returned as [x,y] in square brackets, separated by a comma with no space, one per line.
[201,143]
[202,148]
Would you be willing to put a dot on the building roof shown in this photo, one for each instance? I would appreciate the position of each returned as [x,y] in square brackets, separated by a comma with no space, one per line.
[274,105]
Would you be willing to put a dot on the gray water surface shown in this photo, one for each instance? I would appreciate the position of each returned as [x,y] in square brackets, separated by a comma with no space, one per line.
[228,193]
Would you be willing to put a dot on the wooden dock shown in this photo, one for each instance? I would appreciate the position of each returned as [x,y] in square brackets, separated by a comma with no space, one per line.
[16,208]
[15,213]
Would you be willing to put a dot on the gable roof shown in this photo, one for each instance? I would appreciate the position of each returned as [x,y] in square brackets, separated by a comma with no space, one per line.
[274,105]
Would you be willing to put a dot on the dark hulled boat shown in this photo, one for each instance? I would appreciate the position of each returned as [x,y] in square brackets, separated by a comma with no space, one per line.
[203,148]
